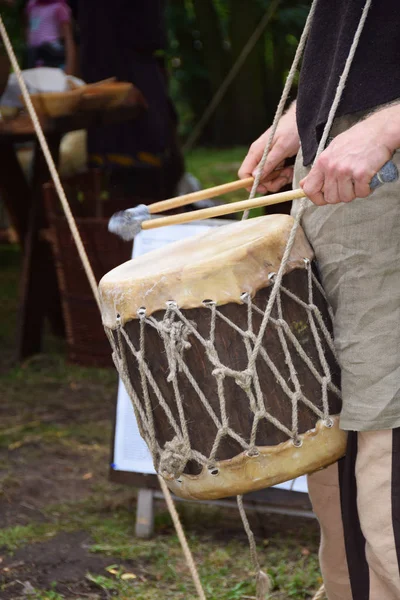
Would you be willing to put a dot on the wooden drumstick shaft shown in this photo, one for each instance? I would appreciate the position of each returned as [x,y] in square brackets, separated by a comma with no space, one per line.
[225,209]
[212,192]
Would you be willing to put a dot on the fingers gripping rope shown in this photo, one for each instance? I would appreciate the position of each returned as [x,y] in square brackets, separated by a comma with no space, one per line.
[283,101]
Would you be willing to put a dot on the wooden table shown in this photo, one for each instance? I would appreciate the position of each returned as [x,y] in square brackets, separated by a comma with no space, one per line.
[39,293]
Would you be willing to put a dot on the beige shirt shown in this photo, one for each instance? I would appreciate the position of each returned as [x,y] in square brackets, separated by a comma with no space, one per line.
[357,246]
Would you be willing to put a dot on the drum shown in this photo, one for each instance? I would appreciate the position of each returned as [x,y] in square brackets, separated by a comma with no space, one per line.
[230,394]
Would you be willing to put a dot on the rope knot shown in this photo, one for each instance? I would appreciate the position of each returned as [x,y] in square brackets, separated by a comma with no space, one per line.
[325,381]
[297,396]
[175,334]
[244,380]
[173,458]
[178,333]
[219,373]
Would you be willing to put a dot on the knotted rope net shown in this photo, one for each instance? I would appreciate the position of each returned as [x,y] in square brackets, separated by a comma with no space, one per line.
[177,331]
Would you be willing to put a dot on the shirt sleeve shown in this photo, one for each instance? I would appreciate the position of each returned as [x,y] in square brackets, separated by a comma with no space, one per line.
[63,13]
[29,6]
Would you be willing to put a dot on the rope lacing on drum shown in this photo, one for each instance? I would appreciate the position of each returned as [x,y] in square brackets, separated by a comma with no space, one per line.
[174,458]
[176,340]
[176,330]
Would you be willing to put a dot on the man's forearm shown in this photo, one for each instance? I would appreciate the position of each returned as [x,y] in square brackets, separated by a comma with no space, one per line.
[389,120]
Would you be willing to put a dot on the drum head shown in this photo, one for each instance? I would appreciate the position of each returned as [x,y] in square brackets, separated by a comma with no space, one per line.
[221,264]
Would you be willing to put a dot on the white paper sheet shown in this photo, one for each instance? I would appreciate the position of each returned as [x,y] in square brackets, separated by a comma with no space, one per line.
[130,450]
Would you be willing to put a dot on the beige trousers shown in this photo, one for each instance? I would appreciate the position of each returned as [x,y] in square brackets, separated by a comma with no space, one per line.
[357,502]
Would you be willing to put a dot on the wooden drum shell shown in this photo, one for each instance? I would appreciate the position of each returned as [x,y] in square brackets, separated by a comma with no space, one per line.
[221,266]
[232,352]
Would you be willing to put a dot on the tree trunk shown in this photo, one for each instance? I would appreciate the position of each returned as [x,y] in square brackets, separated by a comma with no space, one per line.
[217,61]
[249,91]
[190,76]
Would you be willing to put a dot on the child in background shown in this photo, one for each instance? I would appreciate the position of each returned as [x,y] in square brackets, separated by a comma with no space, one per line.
[50,35]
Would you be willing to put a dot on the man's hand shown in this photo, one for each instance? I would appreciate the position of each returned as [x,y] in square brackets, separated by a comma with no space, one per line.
[284,145]
[344,170]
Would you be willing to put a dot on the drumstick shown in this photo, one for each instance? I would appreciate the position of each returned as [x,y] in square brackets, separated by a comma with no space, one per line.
[225,209]
[127,224]
[218,190]
[388,173]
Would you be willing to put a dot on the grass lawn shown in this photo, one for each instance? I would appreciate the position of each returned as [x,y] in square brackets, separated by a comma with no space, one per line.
[214,167]
[66,532]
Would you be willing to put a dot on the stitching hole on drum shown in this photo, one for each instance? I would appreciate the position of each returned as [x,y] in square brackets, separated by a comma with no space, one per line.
[171,304]
[306,261]
[297,443]
[271,276]
[213,471]
[245,297]
[178,480]
[328,423]
[253,453]
[141,311]
[209,302]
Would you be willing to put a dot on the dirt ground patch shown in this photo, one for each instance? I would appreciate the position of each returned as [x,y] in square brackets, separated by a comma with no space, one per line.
[36,479]
[61,563]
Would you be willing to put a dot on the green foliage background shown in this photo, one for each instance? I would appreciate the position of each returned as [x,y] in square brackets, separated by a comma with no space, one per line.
[13,21]
[205,40]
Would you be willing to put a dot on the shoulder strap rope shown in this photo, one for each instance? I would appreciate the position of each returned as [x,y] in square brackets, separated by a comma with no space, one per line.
[303,202]
[282,102]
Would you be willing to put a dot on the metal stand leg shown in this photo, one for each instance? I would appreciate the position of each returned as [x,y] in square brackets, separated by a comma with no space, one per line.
[145,514]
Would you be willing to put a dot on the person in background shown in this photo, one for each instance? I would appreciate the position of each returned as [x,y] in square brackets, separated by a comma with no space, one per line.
[50,37]
[126,39]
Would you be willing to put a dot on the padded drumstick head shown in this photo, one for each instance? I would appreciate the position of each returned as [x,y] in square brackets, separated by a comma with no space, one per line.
[128,223]
[387,174]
